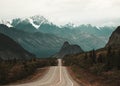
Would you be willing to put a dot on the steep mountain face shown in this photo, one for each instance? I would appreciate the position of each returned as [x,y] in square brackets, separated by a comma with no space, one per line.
[41,44]
[114,40]
[68,49]
[9,49]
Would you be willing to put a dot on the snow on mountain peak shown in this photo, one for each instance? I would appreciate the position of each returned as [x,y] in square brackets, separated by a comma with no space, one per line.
[32,22]
[39,19]
[7,23]
[36,21]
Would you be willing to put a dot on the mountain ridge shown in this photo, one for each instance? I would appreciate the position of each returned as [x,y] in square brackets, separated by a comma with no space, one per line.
[38,19]
[114,40]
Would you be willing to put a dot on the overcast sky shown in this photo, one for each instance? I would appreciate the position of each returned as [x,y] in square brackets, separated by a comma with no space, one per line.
[96,12]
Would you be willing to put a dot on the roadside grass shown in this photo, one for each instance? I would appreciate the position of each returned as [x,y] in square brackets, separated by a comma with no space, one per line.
[99,68]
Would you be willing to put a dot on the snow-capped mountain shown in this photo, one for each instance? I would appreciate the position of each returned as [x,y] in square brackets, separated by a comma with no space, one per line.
[37,20]
[86,36]
[30,24]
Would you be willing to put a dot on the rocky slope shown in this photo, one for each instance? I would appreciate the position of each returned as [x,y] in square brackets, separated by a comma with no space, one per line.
[68,49]
[9,49]
[114,40]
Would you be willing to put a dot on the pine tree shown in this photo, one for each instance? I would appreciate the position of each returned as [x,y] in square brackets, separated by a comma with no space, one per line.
[118,60]
[109,58]
[94,56]
[86,56]
[0,59]
[100,58]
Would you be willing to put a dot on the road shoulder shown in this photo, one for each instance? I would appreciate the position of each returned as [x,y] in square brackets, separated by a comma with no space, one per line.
[38,74]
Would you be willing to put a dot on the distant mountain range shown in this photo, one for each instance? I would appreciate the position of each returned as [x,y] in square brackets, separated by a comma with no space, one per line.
[43,38]
[9,49]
